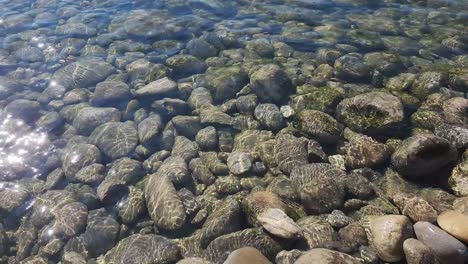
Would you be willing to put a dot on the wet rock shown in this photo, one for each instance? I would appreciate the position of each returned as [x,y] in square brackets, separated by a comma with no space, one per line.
[25,109]
[246,255]
[175,168]
[318,187]
[194,261]
[363,151]
[185,148]
[83,73]
[422,154]
[453,223]
[115,139]
[201,48]
[288,257]
[78,157]
[416,208]
[246,104]
[50,121]
[325,256]
[271,84]
[124,171]
[387,233]
[88,118]
[218,250]
[257,202]
[318,125]
[322,99]
[216,166]
[92,174]
[224,83]
[269,116]
[206,138]
[70,219]
[371,112]
[276,222]
[187,126]
[199,98]
[455,111]
[428,83]
[143,249]
[213,116]
[351,67]
[354,234]
[149,129]
[290,152]
[12,197]
[227,185]
[445,247]
[225,219]
[101,234]
[239,162]
[109,93]
[133,206]
[201,172]
[71,257]
[418,253]
[458,180]
[8,86]
[163,203]
[162,87]
[184,65]
[458,136]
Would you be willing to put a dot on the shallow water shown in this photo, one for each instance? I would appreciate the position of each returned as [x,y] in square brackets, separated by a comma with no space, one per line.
[153,131]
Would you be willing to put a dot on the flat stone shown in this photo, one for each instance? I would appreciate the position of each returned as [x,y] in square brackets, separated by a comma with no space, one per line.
[445,246]
[454,223]
[164,86]
[278,223]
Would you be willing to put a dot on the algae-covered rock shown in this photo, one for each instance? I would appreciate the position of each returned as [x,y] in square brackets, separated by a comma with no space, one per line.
[323,99]
[290,152]
[271,84]
[428,83]
[458,180]
[371,112]
[225,82]
[318,125]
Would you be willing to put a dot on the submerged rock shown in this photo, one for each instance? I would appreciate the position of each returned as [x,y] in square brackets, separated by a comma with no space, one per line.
[139,248]
[444,246]
[325,256]
[290,152]
[387,233]
[246,255]
[318,125]
[276,222]
[422,154]
[271,84]
[373,112]
[163,203]
[115,139]
[83,73]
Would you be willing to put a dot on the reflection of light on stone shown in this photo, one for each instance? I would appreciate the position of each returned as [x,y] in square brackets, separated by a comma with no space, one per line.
[50,232]
[40,45]
[74,159]
[12,159]
[34,38]
[53,83]
[43,209]
[1,21]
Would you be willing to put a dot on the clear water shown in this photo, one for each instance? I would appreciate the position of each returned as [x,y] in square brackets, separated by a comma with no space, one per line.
[72,188]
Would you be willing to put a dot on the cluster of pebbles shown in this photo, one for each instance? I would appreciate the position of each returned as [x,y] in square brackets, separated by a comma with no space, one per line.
[209,131]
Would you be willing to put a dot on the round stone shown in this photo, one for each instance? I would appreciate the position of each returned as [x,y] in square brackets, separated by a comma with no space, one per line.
[239,162]
[454,223]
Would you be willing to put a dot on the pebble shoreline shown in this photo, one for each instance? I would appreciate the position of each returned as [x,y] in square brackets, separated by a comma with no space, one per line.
[209,131]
